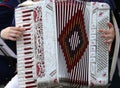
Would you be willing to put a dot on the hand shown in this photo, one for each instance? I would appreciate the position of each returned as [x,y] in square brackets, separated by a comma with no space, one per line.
[12,33]
[109,35]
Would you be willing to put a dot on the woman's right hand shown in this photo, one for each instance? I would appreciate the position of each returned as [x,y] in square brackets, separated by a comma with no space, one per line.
[12,33]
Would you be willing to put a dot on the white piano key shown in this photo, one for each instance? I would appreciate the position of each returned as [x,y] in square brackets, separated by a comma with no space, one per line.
[25,56]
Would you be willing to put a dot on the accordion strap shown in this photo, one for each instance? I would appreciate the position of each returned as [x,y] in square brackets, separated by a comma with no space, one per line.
[116,50]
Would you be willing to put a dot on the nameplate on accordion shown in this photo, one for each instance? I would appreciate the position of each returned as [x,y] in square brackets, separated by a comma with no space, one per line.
[61,45]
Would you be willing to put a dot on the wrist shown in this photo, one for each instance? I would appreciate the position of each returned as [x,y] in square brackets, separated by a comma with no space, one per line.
[1,35]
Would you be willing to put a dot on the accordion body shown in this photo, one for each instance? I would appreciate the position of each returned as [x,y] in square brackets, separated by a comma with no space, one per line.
[61,45]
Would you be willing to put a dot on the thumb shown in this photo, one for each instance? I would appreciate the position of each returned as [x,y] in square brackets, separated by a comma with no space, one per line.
[109,47]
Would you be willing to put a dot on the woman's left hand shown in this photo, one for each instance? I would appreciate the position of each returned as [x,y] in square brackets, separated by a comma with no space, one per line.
[109,35]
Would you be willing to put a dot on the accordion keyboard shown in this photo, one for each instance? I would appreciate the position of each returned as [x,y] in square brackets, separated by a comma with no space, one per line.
[25,52]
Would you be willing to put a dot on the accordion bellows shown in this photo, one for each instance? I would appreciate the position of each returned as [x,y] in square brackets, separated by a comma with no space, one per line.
[61,45]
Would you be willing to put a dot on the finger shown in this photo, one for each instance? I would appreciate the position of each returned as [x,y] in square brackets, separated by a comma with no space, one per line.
[109,25]
[12,38]
[108,36]
[104,31]
[22,29]
[109,41]
[14,35]
[109,47]
[15,32]
[104,36]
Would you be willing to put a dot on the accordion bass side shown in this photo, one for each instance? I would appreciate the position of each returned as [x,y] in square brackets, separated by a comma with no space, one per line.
[61,45]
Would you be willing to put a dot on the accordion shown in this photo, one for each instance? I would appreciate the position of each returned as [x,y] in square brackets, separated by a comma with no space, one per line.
[61,45]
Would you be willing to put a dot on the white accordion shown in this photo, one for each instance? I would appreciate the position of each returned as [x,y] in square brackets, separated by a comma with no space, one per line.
[61,45]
